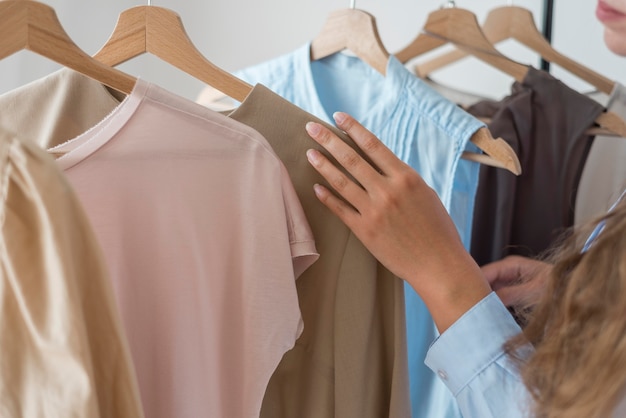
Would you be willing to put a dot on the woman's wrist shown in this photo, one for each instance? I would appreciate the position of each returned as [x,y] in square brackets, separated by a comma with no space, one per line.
[449,293]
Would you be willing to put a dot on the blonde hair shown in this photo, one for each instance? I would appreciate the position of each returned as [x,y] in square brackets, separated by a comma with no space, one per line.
[578,328]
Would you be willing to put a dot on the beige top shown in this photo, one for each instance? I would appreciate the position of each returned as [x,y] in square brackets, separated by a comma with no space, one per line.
[63,354]
[67,104]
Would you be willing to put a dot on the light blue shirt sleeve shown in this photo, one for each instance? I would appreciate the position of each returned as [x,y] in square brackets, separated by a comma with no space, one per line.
[470,360]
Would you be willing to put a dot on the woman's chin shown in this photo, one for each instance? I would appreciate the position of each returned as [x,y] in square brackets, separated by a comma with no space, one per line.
[615,41]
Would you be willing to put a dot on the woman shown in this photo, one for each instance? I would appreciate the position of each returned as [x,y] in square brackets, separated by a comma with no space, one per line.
[570,361]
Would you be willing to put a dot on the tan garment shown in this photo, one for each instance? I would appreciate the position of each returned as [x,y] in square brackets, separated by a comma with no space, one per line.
[351,360]
[62,352]
[52,110]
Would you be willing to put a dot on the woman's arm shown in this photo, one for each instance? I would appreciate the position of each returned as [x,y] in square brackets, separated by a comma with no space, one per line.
[400,220]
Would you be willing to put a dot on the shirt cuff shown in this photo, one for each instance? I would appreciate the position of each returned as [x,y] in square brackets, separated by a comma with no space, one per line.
[472,343]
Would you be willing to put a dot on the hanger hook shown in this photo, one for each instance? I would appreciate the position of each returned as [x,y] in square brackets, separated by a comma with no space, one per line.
[149,2]
[352,4]
[449,4]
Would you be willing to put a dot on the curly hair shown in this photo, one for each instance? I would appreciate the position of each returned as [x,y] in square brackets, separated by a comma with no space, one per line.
[578,328]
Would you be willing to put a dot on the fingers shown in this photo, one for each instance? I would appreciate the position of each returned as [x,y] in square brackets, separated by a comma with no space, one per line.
[511,296]
[501,272]
[347,156]
[510,270]
[347,188]
[380,155]
[517,280]
[341,209]
[520,295]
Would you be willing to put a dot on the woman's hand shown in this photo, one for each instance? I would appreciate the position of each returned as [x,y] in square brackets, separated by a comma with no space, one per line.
[518,281]
[399,218]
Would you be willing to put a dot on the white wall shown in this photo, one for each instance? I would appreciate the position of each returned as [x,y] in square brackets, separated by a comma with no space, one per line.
[579,36]
[237,33]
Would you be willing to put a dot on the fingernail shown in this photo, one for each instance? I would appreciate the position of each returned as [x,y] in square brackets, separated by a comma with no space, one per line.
[339,117]
[312,128]
[313,156]
[317,189]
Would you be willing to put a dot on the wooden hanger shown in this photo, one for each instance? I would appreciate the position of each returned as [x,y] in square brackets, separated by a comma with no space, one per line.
[499,152]
[34,26]
[512,22]
[518,23]
[460,27]
[352,29]
[160,31]
[453,25]
[610,124]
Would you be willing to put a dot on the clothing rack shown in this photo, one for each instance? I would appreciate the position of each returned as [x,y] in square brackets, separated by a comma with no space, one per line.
[548,8]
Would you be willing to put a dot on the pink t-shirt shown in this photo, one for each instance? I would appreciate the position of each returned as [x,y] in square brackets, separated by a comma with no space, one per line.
[204,237]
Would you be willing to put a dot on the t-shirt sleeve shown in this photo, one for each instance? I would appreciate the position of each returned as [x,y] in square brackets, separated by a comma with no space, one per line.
[301,240]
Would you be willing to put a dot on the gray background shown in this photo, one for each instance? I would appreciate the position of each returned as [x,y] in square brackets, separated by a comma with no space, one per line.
[236,33]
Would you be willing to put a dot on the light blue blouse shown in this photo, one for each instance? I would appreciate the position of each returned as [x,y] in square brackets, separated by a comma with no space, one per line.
[423,129]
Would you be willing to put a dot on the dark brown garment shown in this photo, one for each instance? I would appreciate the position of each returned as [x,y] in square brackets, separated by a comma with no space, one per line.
[544,121]
[351,360]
